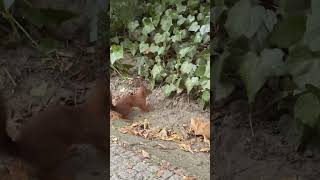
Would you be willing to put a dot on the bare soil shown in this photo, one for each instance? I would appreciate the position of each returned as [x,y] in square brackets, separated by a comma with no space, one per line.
[270,154]
[31,83]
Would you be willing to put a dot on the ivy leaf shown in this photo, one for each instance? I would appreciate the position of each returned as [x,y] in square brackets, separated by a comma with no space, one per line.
[305,70]
[312,34]
[133,25]
[177,84]
[168,89]
[6,4]
[166,23]
[133,47]
[144,47]
[197,38]
[201,69]
[181,20]
[190,83]
[205,96]
[270,19]
[156,20]
[191,18]
[205,29]
[181,8]
[307,109]
[116,53]
[161,50]
[255,70]
[156,71]
[187,68]
[206,84]
[148,26]
[288,31]
[184,51]
[200,17]
[244,19]
[177,37]
[154,48]
[194,27]
[158,38]
[171,13]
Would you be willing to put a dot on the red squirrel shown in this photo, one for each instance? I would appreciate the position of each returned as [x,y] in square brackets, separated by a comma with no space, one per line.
[125,104]
[46,138]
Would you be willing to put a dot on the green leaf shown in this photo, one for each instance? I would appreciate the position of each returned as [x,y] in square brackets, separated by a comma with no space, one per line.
[288,31]
[191,18]
[294,7]
[206,96]
[205,29]
[181,8]
[244,19]
[181,20]
[184,51]
[177,84]
[166,23]
[201,69]
[222,90]
[312,34]
[200,17]
[133,25]
[307,109]
[7,3]
[207,72]
[190,83]
[270,20]
[133,47]
[148,26]
[161,50]
[40,90]
[168,89]
[159,38]
[154,48]
[187,68]
[255,70]
[144,47]
[205,84]
[116,53]
[197,38]
[194,27]
[305,70]
[173,14]
[156,71]
[177,37]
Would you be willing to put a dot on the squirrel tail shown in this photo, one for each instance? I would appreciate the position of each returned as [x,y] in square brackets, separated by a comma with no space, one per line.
[6,143]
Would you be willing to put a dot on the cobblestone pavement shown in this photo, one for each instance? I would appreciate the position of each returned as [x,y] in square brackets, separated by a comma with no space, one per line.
[127,164]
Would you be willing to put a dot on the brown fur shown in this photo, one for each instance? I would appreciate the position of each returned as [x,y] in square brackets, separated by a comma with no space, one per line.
[46,138]
[125,104]
[201,127]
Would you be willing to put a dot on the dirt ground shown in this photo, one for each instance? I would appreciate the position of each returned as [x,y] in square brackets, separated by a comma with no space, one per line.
[30,84]
[270,154]
[170,113]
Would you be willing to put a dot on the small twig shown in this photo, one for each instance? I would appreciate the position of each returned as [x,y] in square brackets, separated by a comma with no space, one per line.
[10,77]
[250,120]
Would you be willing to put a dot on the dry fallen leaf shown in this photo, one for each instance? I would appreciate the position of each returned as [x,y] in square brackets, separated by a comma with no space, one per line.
[189,178]
[186,147]
[206,149]
[145,154]
[159,172]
